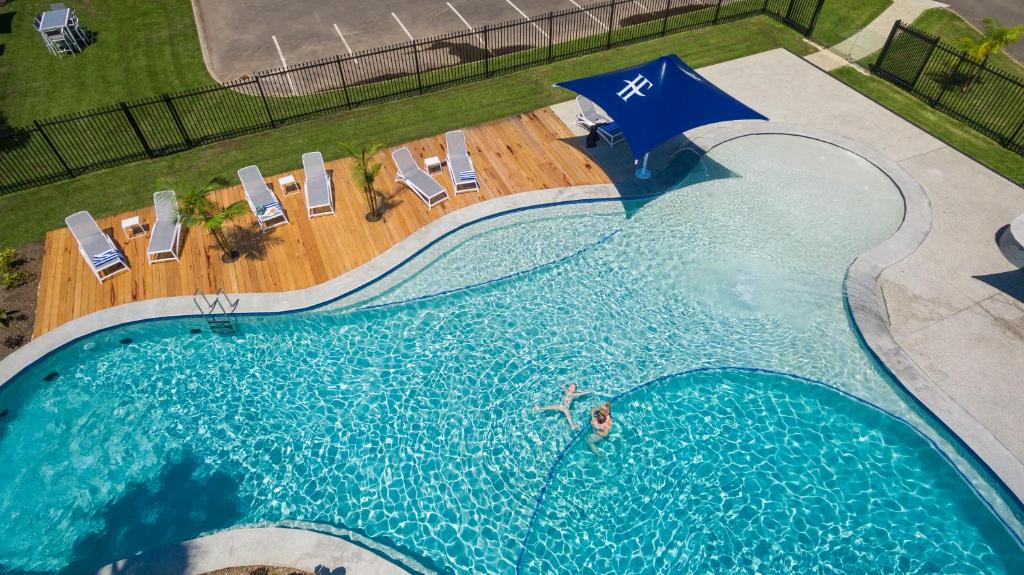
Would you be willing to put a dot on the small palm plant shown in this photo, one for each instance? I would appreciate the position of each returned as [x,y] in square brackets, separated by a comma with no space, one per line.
[364,173]
[197,209]
[994,40]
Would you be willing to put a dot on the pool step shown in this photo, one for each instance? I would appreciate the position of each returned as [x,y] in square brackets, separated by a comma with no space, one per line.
[218,312]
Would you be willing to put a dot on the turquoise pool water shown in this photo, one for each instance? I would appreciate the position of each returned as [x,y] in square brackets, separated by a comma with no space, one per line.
[405,414]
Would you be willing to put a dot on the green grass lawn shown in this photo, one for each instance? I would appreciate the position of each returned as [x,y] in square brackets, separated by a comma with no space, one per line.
[142,48]
[25,216]
[840,19]
[958,135]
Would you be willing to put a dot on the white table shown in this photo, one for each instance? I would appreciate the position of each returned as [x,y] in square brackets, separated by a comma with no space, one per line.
[433,165]
[133,228]
[288,185]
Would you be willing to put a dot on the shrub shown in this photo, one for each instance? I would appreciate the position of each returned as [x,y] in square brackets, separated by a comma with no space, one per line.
[10,276]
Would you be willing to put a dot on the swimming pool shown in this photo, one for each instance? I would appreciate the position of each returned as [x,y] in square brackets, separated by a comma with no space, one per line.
[711,316]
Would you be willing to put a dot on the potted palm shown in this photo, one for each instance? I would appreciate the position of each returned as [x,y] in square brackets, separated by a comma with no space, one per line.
[197,209]
[364,173]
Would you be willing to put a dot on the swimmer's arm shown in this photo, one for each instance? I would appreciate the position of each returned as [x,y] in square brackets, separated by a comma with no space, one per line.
[581,394]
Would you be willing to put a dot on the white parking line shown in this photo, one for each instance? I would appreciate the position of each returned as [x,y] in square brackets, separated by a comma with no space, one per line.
[592,17]
[280,55]
[404,29]
[344,41]
[468,25]
[523,14]
[642,5]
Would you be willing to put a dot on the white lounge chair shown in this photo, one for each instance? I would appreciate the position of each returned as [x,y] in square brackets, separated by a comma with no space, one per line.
[264,205]
[165,237]
[460,165]
[105,259]
[319,192]
[589,115]
[410,174]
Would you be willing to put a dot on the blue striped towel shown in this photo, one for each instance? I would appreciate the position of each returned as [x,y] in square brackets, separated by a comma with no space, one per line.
[612,127]
[467,176]
[267,209]
[100,260]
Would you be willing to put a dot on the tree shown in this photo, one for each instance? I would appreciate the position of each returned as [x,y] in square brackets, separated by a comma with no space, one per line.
[995,39]
[197,209]
[364,172]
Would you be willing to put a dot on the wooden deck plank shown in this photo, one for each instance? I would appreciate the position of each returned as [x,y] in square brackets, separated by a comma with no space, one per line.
[522,153]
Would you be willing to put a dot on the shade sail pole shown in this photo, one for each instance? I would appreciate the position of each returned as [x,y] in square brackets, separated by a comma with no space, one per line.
[642,172]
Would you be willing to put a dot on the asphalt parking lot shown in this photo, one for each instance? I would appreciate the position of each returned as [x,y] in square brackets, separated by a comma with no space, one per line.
[240,38]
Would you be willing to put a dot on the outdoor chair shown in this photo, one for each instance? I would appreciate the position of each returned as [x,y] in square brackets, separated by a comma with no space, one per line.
[589,115]
[165,236]
[105,259]
[410,174]
[460,165]
[319,192]
[264,205]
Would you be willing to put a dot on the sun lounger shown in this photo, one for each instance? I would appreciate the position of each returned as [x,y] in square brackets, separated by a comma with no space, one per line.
[460,165]
[105,259]
[410,174]
[165,237]
[589,115]
[319,193]
[264,205]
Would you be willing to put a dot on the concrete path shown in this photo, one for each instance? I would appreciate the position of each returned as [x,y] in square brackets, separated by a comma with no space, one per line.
[871,39]
[955,305]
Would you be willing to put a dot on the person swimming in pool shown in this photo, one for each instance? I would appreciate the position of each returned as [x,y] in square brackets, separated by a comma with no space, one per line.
[567,398]
[601,422]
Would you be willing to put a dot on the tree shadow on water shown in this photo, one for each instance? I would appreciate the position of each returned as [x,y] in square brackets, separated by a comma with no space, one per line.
[183,502]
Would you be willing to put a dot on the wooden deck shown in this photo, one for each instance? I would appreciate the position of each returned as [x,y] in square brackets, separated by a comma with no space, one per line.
[517,154]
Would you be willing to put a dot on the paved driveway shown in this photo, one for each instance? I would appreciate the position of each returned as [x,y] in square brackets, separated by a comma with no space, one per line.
[1008,12]
[244,37]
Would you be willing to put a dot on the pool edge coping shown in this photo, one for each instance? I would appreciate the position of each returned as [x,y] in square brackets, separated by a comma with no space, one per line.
[862,289]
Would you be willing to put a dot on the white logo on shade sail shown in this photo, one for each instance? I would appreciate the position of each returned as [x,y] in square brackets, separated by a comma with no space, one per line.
[635,87]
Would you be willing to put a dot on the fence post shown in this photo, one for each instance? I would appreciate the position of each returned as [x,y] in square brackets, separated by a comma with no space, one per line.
[877,65]
[344,84]
[718,8]
[177,120]
[487,51]
[53,149]
[263,95]
[551,37]
[135,128]
[814,18]
[611,24]
[664,19]
[789,11]
[419,76]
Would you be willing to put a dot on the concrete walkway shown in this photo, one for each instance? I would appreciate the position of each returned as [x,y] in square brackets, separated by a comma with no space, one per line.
[955,305]
[872,37]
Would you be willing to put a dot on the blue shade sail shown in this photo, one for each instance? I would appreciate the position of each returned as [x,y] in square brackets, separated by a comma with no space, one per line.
[656,101]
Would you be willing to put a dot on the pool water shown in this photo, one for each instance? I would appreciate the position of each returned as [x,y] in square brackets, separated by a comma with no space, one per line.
[405,413]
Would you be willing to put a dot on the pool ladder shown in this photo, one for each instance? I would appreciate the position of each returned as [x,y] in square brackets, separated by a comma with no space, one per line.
[218,313]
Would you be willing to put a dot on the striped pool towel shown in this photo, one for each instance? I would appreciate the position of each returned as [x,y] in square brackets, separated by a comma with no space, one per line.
[612,127]
[100,260]
[467,176]
[268,209]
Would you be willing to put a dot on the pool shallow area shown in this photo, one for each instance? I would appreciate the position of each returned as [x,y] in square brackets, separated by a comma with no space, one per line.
[405,412]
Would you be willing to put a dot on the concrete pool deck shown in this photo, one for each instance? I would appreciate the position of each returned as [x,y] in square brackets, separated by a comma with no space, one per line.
[953,304]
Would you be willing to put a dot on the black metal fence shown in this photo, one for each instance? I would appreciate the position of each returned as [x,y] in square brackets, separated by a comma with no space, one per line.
[67,146]
[988,99]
